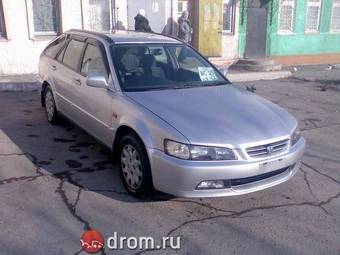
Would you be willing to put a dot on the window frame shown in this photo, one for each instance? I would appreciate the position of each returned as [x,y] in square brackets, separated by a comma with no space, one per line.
[291,3]
[77,69]
[85,16]
[36,35]
[104,58]
[331,29]
[313,4]
[51,44]
[3,32]
[232,17]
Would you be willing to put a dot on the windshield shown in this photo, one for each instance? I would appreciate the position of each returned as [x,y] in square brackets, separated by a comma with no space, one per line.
[156,67]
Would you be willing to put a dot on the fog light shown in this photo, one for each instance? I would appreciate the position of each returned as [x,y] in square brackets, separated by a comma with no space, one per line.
[211,185]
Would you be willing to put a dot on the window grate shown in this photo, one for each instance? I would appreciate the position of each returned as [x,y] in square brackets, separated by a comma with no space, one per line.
[313,15]
[228,16]
[335,22]
[286,16]
[99,15]
[45,16]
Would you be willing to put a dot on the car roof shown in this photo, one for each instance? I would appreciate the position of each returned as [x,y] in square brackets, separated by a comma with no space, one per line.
[124,37]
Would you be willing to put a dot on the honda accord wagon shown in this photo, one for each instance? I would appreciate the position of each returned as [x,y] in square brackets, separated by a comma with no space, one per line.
[172,120]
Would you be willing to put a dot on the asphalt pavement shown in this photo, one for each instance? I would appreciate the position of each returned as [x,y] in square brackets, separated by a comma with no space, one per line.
[56,182]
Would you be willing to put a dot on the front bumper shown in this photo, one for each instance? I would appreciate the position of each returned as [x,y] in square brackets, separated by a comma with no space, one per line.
[181,177]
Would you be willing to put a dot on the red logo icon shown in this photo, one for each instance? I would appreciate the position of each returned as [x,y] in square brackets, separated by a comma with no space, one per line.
[92,241]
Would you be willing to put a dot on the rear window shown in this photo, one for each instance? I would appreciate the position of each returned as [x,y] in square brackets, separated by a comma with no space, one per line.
[73,53]
[53,49]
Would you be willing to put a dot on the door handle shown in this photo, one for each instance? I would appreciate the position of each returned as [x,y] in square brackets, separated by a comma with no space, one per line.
[77,82]
[53,67]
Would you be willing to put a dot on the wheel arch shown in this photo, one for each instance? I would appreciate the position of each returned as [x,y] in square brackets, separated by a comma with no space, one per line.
[44,85]
[119,134]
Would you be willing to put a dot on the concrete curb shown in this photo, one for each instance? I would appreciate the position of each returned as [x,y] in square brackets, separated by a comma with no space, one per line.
[23,87]
[256,76]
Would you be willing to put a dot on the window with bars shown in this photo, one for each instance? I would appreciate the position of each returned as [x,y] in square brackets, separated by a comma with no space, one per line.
[2,21]
[313,16]
[182,6]
[335,22]
[45,16]
[228,16]
[286,16]
[98,15]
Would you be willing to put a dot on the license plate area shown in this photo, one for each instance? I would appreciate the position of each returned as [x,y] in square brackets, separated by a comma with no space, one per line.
[272,165]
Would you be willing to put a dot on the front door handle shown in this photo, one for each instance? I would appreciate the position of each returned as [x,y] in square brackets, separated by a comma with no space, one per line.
[53,67]
[77,82]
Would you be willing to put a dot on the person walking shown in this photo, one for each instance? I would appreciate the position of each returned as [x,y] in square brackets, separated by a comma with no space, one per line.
[142,23]
[184,27]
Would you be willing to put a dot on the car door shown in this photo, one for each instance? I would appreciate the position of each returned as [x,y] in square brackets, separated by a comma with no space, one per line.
[68,80]
[96,103]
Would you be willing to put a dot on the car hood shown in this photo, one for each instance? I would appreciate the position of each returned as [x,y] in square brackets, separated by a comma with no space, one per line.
[218,115]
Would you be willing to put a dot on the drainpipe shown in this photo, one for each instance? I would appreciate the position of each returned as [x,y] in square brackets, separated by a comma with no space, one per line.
[172,15]
[113,9]
[82,14]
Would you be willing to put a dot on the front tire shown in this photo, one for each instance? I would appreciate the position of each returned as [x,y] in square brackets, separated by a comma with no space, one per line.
[134,166]
[50,106]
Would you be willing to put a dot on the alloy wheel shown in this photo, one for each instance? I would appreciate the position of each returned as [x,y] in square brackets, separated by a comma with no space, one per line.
[50,106]
[131,167]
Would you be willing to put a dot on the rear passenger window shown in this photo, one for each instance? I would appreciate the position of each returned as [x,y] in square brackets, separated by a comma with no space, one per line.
[93,63]
[73,53]
[53,49]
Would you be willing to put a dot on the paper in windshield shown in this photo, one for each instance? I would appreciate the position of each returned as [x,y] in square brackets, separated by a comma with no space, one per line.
[207,74]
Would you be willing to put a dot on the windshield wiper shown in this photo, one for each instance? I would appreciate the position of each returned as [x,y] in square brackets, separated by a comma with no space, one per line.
[218,83]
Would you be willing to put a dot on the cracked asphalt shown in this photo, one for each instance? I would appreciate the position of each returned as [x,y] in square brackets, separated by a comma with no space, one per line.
[56,182]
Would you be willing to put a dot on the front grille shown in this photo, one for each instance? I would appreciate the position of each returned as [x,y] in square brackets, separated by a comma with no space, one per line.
[268,149]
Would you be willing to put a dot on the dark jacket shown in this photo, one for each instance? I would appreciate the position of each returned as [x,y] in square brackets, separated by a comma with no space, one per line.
[142,24]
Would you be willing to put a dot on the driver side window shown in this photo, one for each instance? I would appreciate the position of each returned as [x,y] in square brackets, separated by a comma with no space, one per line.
[93,63]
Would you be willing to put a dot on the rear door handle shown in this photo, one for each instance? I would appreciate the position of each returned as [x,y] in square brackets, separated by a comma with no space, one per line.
[77,82]
[53,67]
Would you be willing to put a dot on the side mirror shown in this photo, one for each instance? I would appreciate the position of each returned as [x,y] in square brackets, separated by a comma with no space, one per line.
[96,81]
[224,71]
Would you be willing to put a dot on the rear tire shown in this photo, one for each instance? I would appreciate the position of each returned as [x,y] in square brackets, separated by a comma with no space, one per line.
[50,106]
[134,166]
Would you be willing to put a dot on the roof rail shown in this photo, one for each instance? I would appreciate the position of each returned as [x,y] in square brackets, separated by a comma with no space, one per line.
[170,36]
[108,39]
[101,35]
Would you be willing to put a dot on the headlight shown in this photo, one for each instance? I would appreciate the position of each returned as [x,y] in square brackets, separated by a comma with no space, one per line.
[295,137]
[178,150]
[211,153]
[198,153]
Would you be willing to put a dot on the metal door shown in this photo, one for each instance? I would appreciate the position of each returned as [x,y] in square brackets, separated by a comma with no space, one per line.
[210,27]
[256,29]
[155,13]
[95,105]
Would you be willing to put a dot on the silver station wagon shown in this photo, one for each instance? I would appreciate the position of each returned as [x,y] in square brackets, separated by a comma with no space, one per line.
[171,119]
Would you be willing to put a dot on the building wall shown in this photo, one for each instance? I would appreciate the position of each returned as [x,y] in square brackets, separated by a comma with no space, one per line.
[20,51]
[213,41]
[242,28]
[300,42]
[230,41]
